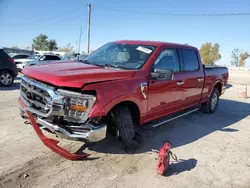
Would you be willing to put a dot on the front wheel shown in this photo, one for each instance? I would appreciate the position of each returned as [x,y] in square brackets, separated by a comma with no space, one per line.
[211,105]
[129,131]
[6,78]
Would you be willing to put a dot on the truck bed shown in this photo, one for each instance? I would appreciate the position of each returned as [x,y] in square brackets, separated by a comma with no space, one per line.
[216,70]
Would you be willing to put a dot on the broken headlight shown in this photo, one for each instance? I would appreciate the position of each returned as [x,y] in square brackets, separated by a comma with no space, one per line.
[76,105]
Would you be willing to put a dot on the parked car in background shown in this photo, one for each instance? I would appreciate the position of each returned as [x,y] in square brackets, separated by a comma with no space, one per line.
[8,70]
[20,63]
[19,56]
[33,61]
[43,59]
[81,57]
[71,56]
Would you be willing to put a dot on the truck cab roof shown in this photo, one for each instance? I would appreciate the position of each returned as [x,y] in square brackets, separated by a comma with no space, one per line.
[156,43]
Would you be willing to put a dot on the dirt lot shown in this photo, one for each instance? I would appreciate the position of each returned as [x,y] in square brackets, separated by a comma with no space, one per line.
[214,152]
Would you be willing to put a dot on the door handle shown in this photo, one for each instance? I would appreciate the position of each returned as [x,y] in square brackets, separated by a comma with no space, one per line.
[200,79]
[180,83]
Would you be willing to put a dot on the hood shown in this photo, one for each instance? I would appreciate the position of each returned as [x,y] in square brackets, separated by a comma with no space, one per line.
[74,74]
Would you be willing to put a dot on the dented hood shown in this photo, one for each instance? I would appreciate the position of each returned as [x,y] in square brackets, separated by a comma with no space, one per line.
[74,74]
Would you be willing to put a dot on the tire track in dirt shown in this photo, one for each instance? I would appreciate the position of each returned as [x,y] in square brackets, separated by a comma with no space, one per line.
[26,175]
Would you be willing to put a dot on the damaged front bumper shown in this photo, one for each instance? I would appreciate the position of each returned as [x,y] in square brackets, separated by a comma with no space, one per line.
[95,134]
[57,111]
[53,144]
[88,132]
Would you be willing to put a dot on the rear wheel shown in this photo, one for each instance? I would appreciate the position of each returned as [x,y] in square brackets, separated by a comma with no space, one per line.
[211,105]
[129,131]
[6,78]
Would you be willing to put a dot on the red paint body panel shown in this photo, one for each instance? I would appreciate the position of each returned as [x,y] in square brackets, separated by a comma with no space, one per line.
[73,74]
[115,86]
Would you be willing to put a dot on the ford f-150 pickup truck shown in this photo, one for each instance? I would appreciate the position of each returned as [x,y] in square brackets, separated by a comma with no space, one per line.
[120,88]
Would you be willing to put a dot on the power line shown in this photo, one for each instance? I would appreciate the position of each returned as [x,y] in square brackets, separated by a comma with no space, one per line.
[181,14]
[41,26]
[53,17]
[85,27]
[83,31]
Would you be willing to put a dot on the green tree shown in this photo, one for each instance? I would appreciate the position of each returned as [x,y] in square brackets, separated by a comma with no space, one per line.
[52,45]
[67,48]
[210,53]
[235,57]
[243,58]
[40,42]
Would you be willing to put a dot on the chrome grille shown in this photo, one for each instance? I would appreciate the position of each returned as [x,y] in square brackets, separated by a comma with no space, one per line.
[36,96]
[45,101]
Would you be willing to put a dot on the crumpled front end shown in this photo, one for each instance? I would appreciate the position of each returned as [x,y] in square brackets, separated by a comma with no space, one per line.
[62,112]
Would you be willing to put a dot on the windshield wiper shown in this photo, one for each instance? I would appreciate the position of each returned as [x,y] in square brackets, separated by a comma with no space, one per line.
[86,62]
[107,65]
[100,65]
[111,65]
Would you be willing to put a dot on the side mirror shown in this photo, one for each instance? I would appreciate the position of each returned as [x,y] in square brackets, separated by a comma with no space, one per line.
[162,74]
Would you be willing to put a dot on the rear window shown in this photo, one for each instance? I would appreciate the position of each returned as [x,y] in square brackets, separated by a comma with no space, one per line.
[190,60]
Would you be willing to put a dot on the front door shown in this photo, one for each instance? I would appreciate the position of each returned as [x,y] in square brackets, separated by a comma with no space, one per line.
[165,96]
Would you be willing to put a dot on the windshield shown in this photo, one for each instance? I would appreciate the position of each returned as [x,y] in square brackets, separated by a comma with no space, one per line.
[123,56]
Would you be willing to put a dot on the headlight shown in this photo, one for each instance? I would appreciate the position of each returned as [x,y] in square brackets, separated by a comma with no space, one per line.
[76,105]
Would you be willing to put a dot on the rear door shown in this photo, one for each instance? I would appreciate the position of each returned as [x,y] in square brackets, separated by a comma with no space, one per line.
[193,77]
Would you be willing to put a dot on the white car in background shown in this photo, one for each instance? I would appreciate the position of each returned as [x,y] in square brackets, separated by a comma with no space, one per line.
[19,56]
[20,63]
[33,61]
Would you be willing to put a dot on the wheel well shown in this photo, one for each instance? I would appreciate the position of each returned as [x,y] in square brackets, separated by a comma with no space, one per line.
[133,108]
[8,70]
[219,87]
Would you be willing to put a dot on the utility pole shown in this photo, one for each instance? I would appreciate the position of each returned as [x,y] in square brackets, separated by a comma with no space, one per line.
[79,49]
[89,14]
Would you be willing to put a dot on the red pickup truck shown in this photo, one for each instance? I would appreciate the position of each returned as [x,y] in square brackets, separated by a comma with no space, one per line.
[120,88]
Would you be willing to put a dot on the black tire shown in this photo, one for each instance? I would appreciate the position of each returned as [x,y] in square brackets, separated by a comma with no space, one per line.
[208,107]
[9,75]
[129,131]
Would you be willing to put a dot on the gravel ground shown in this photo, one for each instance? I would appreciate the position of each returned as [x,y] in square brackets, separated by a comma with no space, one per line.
[214,151]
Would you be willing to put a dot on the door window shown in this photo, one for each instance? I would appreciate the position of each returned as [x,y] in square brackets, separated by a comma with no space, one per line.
[54,58]
[190,60]
[168,59]
[49,57]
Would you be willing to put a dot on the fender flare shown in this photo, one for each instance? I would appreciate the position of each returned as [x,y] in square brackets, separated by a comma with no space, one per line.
[116,100]
[123,98]
[217,81]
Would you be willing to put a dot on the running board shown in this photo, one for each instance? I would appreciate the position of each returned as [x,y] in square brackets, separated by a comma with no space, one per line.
[168,119]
